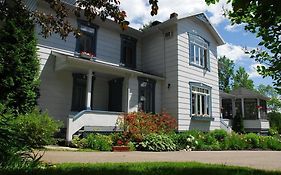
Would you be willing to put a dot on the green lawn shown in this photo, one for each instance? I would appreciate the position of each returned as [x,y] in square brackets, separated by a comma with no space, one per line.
[155,168]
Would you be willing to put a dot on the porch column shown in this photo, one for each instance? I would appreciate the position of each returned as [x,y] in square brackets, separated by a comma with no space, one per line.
[233,108]
[259,110]
[89,90]
[242,106]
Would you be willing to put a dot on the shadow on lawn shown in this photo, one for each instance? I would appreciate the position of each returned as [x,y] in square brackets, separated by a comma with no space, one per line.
[142,169]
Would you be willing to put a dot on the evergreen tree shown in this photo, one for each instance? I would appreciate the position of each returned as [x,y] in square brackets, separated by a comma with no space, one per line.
[19,65]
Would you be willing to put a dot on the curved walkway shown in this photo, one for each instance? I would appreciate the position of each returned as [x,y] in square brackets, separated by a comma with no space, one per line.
[269,160]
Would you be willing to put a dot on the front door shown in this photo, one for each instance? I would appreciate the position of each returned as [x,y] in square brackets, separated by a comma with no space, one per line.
[79,92]
[115,94]
[146,94]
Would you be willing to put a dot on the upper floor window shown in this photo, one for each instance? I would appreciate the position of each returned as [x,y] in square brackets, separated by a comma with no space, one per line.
[199,51]
[128,51]
[200,100]
[86,42]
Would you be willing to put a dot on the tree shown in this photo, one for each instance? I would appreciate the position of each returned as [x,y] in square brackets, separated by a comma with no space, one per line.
[241,79]
[55,20]
[19,65]
[262,17]
[226,71]
[275,102]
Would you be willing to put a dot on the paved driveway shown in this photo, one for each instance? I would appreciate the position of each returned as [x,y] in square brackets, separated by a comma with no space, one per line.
[270,160]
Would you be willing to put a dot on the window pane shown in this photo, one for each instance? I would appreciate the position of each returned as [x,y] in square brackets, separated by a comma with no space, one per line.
[202,57]
[191,50]
[208,105]
[197,54]
[203,104]
[205,58]
[193,103]
[198,104]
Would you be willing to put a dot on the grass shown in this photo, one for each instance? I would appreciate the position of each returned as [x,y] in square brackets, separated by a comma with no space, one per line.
[155,168]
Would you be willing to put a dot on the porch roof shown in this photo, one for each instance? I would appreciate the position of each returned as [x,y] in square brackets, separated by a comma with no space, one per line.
[68,61]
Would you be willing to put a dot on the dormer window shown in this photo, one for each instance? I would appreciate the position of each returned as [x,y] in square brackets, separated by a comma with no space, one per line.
[86,43]
[199,52]
[128,51]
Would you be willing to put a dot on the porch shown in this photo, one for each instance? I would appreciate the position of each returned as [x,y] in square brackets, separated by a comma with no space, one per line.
[101,92]
[250,105]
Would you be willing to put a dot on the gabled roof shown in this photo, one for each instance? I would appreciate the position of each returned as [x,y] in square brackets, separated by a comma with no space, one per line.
[202,17]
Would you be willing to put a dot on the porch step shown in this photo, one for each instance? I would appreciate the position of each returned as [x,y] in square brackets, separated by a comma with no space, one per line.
[84,131]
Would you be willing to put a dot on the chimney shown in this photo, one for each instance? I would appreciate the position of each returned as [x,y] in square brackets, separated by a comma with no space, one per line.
[173,15]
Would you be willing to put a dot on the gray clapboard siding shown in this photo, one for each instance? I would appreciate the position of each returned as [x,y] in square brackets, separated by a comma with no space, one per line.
[188,73]
[55,87]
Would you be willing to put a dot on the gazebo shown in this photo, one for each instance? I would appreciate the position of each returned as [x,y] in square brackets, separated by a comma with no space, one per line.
[249,104]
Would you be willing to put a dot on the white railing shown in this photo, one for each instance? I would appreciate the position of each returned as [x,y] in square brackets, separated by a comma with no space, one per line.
[90,118]
[225,125]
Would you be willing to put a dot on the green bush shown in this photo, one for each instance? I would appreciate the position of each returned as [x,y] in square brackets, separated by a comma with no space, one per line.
[252,140]
[219,134]
[99,142]
[36,129]
[156,142]
[237,124]
[275,120]
[273,143]
[235,142]
[94,141]
[184,141]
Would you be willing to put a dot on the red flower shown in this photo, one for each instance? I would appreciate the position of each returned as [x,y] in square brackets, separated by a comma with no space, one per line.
[119,142]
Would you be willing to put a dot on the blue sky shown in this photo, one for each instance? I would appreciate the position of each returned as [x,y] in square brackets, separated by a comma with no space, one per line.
[138,12]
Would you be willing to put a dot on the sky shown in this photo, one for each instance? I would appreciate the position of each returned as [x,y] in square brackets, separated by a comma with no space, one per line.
[235,37]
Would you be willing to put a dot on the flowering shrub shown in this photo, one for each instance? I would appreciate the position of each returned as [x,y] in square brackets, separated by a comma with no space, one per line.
[136,125]
[157,142]
[120,138]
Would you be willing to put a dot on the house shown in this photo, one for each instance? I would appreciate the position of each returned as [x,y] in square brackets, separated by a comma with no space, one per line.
[248,104]
[88,82]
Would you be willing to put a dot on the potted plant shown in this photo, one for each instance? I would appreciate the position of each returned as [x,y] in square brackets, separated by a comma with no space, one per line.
[120,142]
[87,55]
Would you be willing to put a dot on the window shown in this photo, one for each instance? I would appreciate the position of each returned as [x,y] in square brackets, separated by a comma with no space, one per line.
[128,51]
[198,51]
[146,94]
[87,40]
[200,100]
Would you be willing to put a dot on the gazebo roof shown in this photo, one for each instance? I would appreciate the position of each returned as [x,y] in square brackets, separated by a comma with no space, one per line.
[246,93]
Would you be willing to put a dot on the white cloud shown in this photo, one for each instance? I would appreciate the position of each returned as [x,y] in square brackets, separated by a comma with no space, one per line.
[234,28]
[138,11]
[231,51]
[253,73]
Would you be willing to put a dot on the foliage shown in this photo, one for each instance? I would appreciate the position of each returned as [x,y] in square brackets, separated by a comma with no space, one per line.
[137,125]
[241,79]
[273,132]
[184,141]
[275,102]
[18,135]
[235,142]
[219,134]
[144,168]
[94,141]
[19,65]
[120,138]
[156,142]
[252,140]
[37,129]
[237,124]
[275,120]
[226,72]
[262,18]
[99,142]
